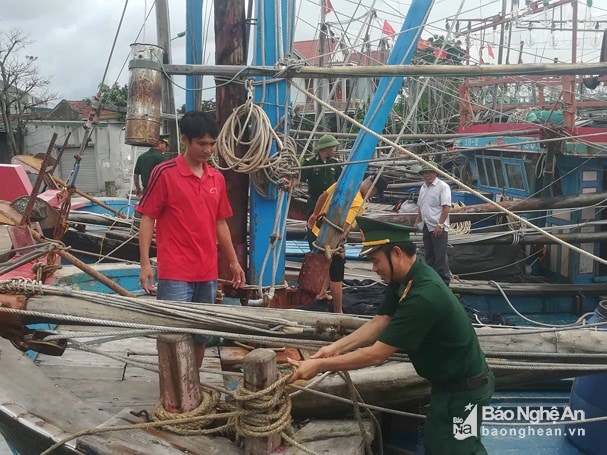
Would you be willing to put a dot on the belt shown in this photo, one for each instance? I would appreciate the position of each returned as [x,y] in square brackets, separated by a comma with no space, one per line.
[472,383]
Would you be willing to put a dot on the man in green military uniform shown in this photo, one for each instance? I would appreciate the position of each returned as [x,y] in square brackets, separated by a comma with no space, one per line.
[147,162]
[320,178]
[421,316]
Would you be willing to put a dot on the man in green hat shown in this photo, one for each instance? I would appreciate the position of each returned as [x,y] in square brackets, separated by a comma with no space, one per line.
[147,162]
[421,316]
[320,178]
[434,204]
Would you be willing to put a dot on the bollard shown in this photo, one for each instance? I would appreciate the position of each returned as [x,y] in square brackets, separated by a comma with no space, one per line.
[179,379]
[260,371]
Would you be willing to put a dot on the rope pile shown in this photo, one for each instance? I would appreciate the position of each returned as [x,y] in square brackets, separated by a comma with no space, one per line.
[462,227]
[257,414]
[249,126]
[207,413]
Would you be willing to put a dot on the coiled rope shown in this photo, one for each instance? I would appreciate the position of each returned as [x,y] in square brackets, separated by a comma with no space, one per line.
[249,126]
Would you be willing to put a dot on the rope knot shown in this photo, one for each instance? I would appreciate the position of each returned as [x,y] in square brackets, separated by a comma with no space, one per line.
[265,412]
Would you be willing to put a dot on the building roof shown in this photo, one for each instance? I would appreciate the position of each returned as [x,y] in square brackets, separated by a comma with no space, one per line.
[309,50]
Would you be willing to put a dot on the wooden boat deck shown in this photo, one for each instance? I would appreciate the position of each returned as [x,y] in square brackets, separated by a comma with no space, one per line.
[106,390]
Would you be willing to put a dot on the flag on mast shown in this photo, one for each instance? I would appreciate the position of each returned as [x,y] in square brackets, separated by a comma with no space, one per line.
[490,50]
[328,7]
[387,29]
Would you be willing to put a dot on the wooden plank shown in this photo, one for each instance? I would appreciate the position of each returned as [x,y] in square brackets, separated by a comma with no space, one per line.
[98,372]
[324,429]
[152,441]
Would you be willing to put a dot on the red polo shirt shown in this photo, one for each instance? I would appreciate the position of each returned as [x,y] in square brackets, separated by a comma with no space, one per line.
[186,209]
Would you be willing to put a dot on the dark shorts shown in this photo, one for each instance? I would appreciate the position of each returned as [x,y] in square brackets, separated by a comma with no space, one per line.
[337,267]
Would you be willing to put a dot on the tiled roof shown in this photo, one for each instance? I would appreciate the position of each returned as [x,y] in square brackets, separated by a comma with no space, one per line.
[309,51]
[84,108]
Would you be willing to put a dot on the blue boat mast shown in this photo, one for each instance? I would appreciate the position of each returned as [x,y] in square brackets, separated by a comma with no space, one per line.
[193,51]
[375,119]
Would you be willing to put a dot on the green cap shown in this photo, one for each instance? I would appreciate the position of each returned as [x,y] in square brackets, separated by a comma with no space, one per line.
[379,233]
[165,138]
[326,141]
[426,168]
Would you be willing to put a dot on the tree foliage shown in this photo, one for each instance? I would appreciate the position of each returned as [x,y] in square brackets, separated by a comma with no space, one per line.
[115,95]
[22,88]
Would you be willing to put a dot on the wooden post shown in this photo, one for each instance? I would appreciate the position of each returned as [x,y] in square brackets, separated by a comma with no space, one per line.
[230,49]
[179,380]
[260,371]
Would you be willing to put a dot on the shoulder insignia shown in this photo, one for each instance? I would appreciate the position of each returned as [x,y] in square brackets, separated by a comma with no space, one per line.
[406,291]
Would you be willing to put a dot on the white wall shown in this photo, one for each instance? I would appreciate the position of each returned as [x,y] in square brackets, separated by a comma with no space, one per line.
[113,159]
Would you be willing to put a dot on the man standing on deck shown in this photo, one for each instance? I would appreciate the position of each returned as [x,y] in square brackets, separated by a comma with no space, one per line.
[147,162]
[421,316]
[320,178]
[434,204]
[338,261]
[186,199]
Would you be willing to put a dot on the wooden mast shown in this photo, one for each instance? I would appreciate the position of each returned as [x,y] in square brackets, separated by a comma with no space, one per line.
[230,49]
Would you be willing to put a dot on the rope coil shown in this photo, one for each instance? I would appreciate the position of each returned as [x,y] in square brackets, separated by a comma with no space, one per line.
[250,126]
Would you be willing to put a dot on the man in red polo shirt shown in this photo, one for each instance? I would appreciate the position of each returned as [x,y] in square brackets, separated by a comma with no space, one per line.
[186,199]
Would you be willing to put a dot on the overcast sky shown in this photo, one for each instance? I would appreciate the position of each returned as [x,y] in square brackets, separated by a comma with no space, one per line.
[72,38]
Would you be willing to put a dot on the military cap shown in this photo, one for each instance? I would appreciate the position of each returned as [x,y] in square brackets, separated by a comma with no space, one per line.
[326,141]
[165,138]
[426,168]
[379,233]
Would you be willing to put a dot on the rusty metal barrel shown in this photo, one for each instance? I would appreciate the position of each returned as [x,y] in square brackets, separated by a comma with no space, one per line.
[145,95]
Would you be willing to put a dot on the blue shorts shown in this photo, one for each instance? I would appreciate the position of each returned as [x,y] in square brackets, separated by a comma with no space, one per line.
[184,291]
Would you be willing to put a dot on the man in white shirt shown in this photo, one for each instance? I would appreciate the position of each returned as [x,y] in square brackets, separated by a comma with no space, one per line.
[433,204]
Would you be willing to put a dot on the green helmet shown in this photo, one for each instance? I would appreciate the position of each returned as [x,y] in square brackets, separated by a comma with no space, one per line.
[326,141]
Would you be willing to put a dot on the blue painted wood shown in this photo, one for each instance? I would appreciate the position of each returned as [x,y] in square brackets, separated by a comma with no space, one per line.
[273,97]
[514,143]
[193,52]
[375,120]
[123,205]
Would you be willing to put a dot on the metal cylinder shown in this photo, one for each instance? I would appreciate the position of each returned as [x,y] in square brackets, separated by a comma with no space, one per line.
[145,95]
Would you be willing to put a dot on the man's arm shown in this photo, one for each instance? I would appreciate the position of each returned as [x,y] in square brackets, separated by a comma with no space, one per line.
[444,214]
[365,335]
[225,243]
[138,189]
[440,227]
[317,208]
[365,357]
[146,233]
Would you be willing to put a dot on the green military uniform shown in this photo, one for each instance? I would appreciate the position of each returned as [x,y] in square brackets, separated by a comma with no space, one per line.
[146,162]
[318,178]
[429,323]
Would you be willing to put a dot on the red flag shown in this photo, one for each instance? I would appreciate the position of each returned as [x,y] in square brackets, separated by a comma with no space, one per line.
[328,7]
[439,54]
[423,44]
[490,51]
[387,29]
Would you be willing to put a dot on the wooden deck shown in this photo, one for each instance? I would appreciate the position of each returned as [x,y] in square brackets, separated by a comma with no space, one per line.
[115,389]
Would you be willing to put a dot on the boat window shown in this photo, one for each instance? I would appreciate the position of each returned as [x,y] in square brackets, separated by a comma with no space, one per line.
[499,173]
[515,176]
[482,173]
[492,179]
[530,170]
